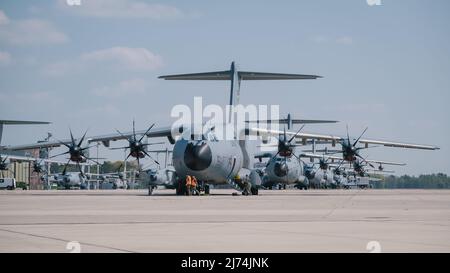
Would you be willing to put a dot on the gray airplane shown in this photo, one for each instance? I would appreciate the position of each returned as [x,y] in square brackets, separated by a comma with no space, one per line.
[283,167]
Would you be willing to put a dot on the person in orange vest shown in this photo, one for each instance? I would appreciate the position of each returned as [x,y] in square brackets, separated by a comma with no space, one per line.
[188,184]
[194,184]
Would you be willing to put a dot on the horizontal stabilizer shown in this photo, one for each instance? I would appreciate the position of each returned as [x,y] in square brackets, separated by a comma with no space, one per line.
[246,76]
[213,76]
[274,76]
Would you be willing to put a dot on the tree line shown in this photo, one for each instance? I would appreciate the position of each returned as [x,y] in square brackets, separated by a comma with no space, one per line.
[425,181]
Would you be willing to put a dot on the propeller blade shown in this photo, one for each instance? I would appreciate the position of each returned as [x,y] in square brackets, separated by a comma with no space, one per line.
[356,142]
[268,162]
[62,143]
[82,138]
[88,147]
[128,156]
[65,167]
[365,161]
[340,163]
[296,156]
[88,158]
[122,135]
[71,137]
[348,136]
[134,131]
[145,152]
[79,168]
[148,130]
[292,138]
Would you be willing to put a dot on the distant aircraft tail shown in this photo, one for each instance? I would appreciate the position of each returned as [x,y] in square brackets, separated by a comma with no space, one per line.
[17,122]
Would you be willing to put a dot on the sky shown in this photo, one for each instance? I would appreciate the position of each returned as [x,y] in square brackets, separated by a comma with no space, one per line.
[95,66]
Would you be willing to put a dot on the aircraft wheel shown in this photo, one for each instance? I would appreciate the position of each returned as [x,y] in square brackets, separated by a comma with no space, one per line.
[254,190]
[150,190]
[188,191]
[179,188]
[207,189]
[247,188]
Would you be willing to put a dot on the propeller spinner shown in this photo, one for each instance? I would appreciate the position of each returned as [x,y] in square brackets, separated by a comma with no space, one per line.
[136,147]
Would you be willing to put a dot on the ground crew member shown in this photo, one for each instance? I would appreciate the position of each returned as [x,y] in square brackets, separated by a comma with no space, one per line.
[188,184]
[194,184]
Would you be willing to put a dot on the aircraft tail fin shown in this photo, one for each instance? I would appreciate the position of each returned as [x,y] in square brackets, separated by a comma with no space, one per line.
[17,122]
[235,76]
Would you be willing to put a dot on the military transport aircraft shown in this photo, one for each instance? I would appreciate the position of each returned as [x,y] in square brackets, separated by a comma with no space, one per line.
[205,156]
[285,166]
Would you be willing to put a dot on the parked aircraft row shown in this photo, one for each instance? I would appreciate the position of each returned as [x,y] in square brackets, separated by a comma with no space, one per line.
[214,161]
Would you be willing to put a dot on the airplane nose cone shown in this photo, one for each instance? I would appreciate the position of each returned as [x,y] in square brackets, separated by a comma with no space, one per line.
[280,169]
[197,157]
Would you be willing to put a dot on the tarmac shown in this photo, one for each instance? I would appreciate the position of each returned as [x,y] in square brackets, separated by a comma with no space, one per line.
[274,221]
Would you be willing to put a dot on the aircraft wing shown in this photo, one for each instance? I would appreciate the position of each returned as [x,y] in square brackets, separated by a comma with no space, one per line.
[155,132]
[18,158]
[333,139]
[319,156]
[49,144]
[398,144]
[386,162]
[159,151]
[31,159]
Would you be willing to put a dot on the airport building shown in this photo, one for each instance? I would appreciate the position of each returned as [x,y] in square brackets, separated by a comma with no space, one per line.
[22,171]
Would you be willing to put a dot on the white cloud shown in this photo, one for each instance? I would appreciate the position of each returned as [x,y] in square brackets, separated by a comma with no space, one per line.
[122,9]
[124,88]
[3,18]
[30,32]
[5,58]
[128,58]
